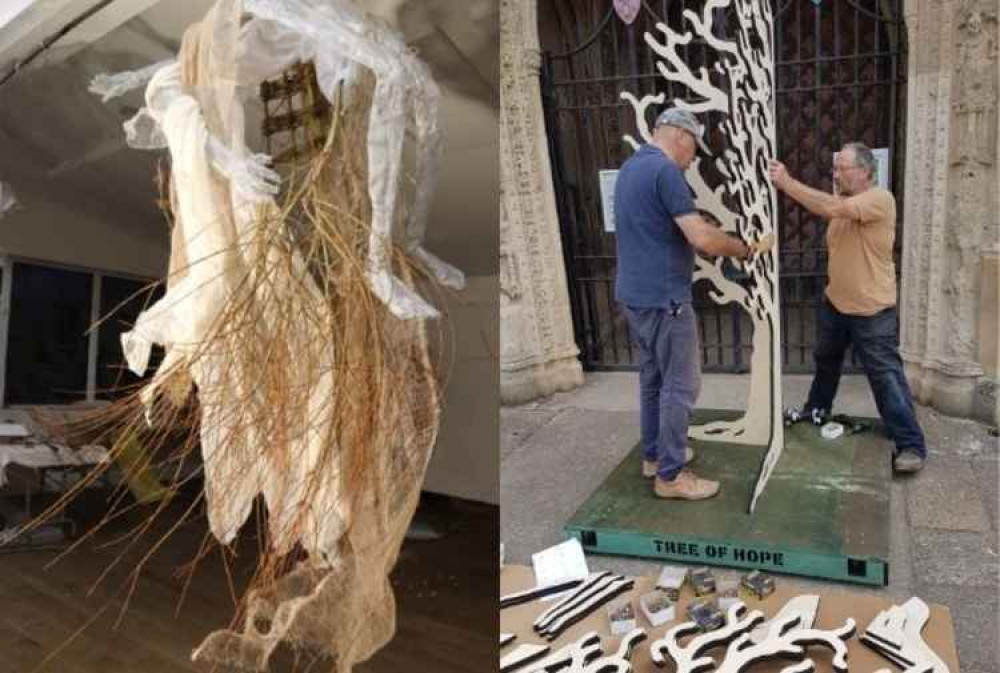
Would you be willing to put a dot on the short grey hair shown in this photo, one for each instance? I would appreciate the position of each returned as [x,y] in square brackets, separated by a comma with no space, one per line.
[863,156]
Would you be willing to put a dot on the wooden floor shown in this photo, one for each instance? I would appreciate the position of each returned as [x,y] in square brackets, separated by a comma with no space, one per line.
[446,593]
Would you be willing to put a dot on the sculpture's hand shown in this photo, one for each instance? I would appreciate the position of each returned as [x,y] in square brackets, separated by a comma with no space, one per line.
[402,301]
[101,85]
[249,175]
[445,273]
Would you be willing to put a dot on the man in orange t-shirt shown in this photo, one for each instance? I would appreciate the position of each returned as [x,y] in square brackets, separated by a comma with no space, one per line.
[859,306]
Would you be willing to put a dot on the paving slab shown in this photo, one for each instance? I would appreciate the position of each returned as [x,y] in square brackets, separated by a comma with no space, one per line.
[543,481]
[517,425]
[974,616]
[945,557]
[962,438]
[900,558]
[932,501]
[619,391]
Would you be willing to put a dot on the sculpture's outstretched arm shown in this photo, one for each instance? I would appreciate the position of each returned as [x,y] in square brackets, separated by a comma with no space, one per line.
[109,86]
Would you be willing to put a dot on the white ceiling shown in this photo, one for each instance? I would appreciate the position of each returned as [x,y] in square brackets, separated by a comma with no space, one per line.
[60,143]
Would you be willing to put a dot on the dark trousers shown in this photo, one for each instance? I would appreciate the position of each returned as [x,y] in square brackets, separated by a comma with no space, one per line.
[875,340]
[669,382]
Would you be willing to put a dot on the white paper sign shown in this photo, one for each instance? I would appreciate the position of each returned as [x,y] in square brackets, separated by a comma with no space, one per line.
[883,169]
[608,178]
[562,563]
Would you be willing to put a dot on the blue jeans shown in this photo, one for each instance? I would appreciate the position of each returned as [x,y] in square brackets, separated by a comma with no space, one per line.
[669,382]
[876,342]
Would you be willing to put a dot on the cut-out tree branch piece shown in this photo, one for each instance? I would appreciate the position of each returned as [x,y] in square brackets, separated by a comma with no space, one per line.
[804,607]
[787,641]
[586,655]
[587,588]
[612,590]
[621,660]
[534,593]
[640,107]
[690,658]
[896,634]
[522,656]
[572,657]
[673,67]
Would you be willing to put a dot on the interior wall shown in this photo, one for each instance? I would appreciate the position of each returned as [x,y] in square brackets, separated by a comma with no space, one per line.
[466,460]
[47,228]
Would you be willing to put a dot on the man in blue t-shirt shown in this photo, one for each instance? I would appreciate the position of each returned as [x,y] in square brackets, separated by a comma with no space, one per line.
[658,230]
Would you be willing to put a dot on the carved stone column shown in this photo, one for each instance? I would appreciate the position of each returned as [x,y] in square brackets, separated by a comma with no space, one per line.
[952,215]
[538,355]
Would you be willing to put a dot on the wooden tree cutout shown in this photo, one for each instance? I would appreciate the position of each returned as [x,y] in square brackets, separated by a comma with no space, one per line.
[587,656]
[896,634]
[522,656]
[749,129]
[620,661]
[691,658]
[788,641]
[787,638]
[590,586]
[585,606]
[572,657]
[805,607]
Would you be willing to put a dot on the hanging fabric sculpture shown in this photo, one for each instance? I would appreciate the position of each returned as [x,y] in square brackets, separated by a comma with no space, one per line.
[297,326]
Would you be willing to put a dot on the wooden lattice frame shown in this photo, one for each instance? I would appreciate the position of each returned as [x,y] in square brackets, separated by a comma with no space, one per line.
[296,115]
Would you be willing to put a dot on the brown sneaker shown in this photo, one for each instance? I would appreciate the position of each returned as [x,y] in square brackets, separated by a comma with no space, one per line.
[649,467]
[686,486]
[907,461]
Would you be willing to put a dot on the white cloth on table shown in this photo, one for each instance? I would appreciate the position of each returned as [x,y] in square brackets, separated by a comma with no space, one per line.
[37,455]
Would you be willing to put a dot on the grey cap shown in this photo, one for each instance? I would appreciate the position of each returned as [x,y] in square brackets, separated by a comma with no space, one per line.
[686,120]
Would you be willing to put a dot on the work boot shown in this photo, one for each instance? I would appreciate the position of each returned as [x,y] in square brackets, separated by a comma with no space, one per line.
[649,467]
[686,486]
[907,461]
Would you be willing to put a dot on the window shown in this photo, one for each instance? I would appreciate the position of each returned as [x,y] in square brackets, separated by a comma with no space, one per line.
[51,354]
[47,344]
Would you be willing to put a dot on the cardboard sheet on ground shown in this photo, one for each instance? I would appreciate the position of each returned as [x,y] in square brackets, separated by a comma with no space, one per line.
[836,605]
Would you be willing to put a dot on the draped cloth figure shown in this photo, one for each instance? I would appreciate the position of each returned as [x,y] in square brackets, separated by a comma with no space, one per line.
[297,326]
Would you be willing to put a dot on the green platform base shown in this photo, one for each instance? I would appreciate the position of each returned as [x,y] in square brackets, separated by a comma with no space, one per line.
[824,513]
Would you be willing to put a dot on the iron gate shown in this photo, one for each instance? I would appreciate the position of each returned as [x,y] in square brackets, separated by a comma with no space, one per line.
[841,69]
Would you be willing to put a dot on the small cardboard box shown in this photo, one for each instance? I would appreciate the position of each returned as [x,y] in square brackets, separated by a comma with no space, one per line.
[658,608]
[621,616]
[727,593]
[671,581]
[702,581]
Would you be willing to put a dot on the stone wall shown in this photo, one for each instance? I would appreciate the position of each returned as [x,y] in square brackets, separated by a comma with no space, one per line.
[952,214]
[538,355]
